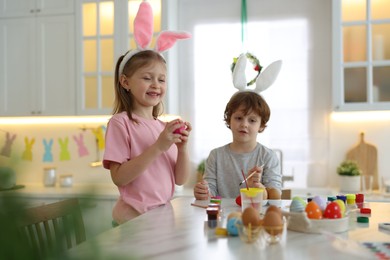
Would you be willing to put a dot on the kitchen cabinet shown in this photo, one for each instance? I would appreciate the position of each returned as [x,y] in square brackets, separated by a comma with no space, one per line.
[361,55]
[37,68]
[20,8]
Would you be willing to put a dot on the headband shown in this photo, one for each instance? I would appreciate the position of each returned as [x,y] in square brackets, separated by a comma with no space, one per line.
[143,34]
[263,80]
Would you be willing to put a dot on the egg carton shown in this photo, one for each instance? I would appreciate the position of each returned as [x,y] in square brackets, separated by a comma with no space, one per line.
[298,221]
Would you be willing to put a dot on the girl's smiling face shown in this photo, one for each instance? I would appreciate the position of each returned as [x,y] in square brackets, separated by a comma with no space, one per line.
[148,85]
[245,127]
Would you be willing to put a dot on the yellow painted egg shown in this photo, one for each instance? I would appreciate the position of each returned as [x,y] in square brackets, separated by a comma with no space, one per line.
[342,207]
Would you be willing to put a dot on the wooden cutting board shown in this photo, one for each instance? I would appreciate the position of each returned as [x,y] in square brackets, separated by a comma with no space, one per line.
[366,156]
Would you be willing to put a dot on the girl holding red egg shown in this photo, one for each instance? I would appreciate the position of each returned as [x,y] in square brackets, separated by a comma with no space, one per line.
[146,157]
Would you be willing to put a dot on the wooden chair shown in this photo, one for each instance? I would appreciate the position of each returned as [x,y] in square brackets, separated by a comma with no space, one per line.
[51,229]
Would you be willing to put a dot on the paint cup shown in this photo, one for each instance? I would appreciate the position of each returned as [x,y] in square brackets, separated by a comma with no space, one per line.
[252,197]
[367,184]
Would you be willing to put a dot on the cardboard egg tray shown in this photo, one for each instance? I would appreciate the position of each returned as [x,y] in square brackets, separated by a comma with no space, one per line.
[298,221]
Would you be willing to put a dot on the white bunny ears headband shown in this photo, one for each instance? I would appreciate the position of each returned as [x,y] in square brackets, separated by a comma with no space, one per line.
[263,80]
[143,34]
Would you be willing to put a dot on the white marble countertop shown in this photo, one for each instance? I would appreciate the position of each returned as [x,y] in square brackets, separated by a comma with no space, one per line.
[177,231]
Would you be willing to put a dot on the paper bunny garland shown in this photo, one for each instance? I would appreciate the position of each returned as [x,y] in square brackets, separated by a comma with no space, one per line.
[143,34]
[264,80]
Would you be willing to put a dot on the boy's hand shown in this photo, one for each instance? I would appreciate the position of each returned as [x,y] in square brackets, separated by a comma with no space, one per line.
[255,180]
[201,190]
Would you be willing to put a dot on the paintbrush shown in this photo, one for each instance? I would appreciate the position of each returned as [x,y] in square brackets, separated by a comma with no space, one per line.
[250,175]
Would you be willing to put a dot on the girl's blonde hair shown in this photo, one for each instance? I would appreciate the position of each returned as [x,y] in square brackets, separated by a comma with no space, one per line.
[124,100]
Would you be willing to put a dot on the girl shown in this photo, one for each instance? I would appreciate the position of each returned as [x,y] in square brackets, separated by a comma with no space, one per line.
[144,163]
[140,152]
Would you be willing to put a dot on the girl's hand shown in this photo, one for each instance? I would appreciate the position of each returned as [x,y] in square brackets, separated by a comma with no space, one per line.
[174,133]
[183,130]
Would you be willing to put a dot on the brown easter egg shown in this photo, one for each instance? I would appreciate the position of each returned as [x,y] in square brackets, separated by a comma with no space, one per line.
[250,216]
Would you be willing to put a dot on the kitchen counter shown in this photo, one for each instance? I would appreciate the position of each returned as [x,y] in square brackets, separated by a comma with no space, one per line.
[99,191]
[177,230]
[110,192]
[38,190]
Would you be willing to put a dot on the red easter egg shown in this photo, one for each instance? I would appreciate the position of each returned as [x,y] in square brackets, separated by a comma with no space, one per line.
[238,200]
[332,211]
[313,211]
[178,131]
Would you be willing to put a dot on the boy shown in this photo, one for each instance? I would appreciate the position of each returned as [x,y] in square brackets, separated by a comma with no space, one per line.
[246,114]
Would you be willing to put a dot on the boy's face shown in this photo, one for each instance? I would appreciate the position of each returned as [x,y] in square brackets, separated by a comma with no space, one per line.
[245,127]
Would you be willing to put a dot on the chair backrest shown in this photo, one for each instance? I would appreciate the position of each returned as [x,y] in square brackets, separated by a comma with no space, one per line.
[51,229]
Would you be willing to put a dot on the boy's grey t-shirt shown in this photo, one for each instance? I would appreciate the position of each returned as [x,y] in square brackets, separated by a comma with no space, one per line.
[223,169]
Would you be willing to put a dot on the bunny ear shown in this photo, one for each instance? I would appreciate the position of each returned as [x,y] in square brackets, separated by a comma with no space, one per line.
[167,39]
[239,78]
[268,76]
[143,25]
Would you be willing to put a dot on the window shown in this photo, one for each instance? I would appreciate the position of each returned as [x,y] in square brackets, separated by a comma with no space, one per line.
[362,55]
[106,33]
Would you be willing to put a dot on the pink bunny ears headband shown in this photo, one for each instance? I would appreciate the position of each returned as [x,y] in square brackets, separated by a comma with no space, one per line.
[263,80]
[143,33]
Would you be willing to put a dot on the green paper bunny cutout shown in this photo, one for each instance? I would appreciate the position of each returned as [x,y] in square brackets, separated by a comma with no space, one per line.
[64,153]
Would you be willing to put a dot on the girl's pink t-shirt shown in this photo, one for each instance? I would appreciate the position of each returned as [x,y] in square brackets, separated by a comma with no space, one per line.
[125,140]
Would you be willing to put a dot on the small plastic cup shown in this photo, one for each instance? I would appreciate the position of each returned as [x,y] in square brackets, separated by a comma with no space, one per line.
[251,197]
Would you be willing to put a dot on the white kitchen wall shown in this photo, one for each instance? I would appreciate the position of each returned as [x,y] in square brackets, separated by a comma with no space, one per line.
[344,135]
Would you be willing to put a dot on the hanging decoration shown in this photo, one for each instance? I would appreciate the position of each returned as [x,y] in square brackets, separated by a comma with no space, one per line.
[99,134]
[83,151]
[47,156]
[27,153]
[262,79]
[64,153]
[255,63]
[6,151]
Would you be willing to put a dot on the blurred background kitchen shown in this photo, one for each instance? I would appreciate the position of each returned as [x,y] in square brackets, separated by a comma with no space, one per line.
[58,58]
